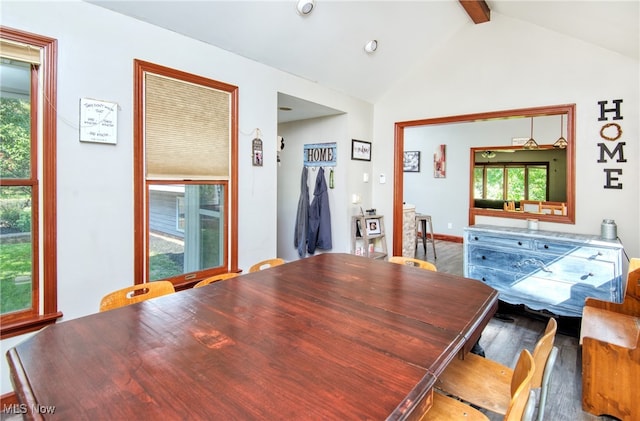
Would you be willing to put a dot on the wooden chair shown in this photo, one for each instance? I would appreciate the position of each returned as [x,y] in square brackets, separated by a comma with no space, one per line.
[410,261]
[266,264]
[554,208]
[215,278]
[449,408]
[509,206]
[135,294]
[533,206]
[610,338]
[485,383]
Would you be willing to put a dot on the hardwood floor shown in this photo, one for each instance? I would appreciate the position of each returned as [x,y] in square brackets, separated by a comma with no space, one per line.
[502,342]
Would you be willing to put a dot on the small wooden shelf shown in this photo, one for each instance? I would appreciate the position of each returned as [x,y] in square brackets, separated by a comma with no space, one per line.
[368,236]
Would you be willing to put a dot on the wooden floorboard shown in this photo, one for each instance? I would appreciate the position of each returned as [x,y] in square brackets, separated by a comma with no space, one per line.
[503,340]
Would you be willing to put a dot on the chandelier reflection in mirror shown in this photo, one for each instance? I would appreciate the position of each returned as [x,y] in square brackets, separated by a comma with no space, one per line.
[561,143]
[531,143]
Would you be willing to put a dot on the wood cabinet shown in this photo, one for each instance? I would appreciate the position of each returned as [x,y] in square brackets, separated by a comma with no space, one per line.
[368,236]
[610,339]
[544,270]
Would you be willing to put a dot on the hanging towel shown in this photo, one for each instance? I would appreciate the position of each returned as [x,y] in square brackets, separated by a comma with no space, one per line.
[319,217]
[302,217]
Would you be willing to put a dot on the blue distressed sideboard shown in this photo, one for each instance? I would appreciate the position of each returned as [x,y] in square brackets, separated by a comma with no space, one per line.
[544,270]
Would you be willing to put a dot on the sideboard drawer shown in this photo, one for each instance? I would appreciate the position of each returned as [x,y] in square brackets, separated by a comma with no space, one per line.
[484,239]
[591,253]
[507,259]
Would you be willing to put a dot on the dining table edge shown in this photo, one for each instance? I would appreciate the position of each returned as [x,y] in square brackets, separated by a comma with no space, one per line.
[21,386]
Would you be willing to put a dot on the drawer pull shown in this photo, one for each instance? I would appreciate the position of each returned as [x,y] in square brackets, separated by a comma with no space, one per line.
[483,258]
[583,277]
[519,243]
[546,246]
[475,238]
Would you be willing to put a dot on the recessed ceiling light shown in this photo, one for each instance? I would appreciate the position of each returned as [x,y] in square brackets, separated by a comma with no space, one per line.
[305,7]
[371,46]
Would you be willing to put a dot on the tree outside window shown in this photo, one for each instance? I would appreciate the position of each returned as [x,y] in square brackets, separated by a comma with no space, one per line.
[511,182]
[16,250]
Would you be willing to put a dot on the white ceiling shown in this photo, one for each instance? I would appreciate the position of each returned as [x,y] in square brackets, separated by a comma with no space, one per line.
[327,46]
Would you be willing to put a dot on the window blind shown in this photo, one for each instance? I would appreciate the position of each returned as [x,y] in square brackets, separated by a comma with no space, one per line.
[20,52]
[187,130]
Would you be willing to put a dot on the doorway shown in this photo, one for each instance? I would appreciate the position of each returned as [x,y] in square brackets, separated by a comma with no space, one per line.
[299,122]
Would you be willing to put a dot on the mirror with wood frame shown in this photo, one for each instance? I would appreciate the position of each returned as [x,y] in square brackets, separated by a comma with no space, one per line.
[512,179]
[546,173]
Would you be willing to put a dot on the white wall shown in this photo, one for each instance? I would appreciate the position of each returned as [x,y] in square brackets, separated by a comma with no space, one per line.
[96,49]
[507,64]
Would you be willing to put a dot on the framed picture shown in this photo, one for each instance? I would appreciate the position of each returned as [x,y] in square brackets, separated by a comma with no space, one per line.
[360,150]
[257,152]
[411,161]
[373,226]
[440,162]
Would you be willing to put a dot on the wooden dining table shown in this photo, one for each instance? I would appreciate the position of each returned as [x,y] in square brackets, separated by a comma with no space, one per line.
[333,336]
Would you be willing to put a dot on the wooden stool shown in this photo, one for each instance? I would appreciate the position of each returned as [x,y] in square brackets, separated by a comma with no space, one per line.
[421,231]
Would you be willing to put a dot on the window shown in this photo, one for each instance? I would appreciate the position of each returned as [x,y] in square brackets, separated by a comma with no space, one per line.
[185,176]
[511,181]
[27,182]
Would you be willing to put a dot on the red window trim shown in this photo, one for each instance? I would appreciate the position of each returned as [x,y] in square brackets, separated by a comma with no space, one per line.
[18,323]
[140,182]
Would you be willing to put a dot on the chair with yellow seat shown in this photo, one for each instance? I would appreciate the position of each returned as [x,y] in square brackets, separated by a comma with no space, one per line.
[485,383]
[135,294]
[215,278]
[451,409]
[266,264]
[410,261]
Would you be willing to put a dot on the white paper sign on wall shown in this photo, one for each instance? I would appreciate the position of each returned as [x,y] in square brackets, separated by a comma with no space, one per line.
[98,121]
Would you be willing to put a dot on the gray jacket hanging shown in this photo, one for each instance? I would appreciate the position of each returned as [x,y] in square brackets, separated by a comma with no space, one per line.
[302,216]
[319,217]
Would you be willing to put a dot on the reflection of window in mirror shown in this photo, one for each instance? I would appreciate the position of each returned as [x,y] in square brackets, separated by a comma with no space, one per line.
[516,174]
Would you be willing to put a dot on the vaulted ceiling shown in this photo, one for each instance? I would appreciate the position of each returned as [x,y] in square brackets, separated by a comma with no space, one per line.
[327,46]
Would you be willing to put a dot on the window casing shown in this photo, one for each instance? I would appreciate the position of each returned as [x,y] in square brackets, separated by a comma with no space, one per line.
[185,176]
[33,188]
[180,222]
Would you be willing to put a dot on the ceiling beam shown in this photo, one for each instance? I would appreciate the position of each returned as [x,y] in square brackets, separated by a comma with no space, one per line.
[478,10]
